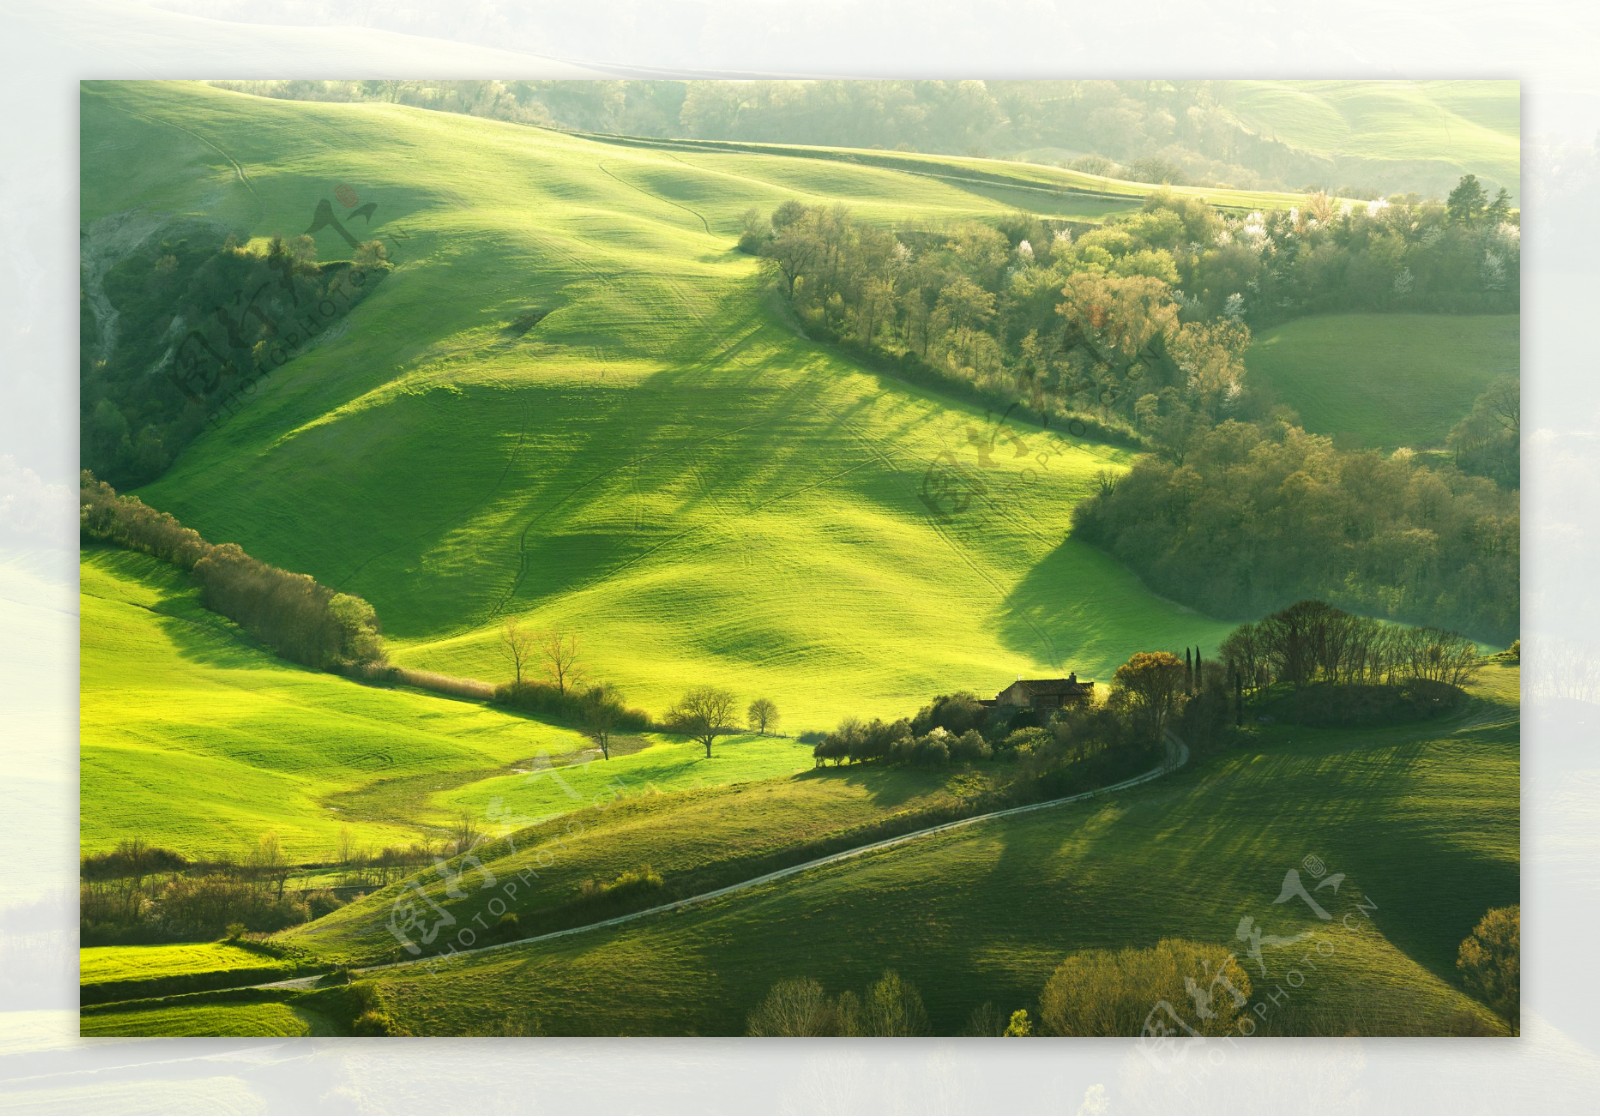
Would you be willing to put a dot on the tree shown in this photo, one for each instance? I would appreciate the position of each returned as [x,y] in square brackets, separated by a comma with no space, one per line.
[1020,1024]
[1111,993]
[268,864]
[560,652]
[516,644]
[464,833]
[894,1008]
[703,713]
[763,715]
[1490,961]
[796,1006]
[1151,683]
[602,708]
[1468,202]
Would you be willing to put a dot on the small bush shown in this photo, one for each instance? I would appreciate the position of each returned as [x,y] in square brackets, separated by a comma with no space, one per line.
[375,1023]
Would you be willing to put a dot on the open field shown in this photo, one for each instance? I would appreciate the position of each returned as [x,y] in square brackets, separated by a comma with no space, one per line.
[222,1018]
[97,964]
[1385,380]
[661,465]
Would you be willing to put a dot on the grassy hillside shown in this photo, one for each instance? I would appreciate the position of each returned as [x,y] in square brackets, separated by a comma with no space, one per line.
[697,840]
[661,465]
[224,1018]
[1385,380]
[1431,130]
[195,739]
[1423,820]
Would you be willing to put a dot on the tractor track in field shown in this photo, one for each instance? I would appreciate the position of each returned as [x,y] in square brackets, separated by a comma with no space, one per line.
[649,194]
[1177,756]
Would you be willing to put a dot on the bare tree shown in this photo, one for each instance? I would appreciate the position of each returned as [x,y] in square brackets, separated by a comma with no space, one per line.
[560,651]
[516,644]
[602,707]
[763,715]
[464,832]
[268,864]
[703,714]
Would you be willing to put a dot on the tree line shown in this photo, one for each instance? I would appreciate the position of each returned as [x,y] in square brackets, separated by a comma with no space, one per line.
[296,616]
[1141,323]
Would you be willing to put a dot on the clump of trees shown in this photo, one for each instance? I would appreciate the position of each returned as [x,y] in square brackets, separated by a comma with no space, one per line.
[599,709]
[1346,669]
[1115,993]
[1256,516]
[293,614]
[1311,641]
[1490,962]
[891,1006]
[1077,747]
[186,322]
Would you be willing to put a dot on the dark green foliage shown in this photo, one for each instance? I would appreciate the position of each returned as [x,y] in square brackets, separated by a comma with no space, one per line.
[1258,516]
[573,706]
[1313,641]
[954,713]
[178,330]
[1488,442]
[293,614]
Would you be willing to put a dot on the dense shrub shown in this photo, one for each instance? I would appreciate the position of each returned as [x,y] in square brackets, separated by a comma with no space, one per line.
[1115,993]
[1490,961]
[571,705]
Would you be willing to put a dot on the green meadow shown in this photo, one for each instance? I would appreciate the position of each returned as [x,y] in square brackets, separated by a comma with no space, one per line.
[97,964]
[1385,380]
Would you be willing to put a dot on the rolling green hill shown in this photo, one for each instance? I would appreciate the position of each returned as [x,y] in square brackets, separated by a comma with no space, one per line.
[197,740]
[1385,380]
[661,465]
[1430,131]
